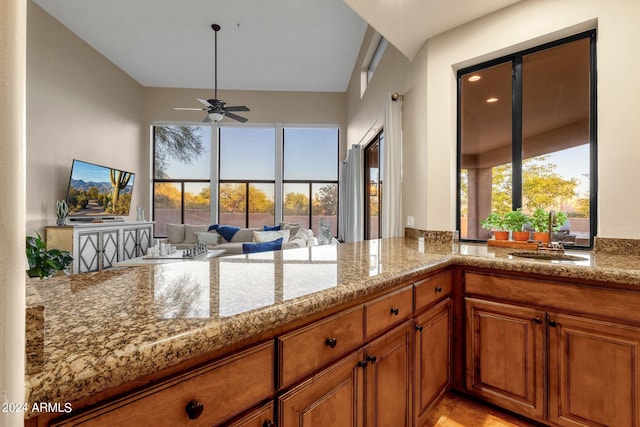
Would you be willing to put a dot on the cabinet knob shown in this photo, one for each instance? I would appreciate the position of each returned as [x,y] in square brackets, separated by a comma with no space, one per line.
[552,323]
[372,359]
[361,364]
[395,311]
[419,328]
[538,320]
[331,342]
[438,289]
[194,409]
[268,423]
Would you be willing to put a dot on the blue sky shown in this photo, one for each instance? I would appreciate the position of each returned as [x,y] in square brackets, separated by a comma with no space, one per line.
[89,172]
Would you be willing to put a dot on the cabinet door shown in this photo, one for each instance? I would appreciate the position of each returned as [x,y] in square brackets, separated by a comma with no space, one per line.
[388,380]
[261,417]
[594,372]
[432,357]
[331,398]
[89,251]
[505,359]
[143,239]
[129,243]
[110,246]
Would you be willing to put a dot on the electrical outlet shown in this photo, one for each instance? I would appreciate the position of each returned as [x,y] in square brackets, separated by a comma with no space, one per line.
[409,221]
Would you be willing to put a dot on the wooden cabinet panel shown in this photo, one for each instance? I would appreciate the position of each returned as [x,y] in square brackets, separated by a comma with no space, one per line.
[261,417]
[306,350]
[391,309]
[388,378]
[331,398]
[432,357]
[505,359]
[433,288]
[211,390]
[594,372]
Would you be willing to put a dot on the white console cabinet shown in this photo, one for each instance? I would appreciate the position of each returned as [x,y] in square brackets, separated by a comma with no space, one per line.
[96,246]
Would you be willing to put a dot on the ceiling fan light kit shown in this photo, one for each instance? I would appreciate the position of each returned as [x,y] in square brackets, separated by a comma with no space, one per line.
[216,108]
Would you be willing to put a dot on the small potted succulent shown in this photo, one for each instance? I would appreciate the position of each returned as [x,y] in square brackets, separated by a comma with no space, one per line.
[42,262]
[515,222]
[495,222]
[540,223]
[62,210]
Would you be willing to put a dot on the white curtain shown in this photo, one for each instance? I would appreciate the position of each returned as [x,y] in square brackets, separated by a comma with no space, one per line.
[392,169]
[351,196]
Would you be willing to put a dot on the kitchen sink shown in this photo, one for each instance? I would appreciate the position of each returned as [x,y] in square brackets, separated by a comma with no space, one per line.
[548,256]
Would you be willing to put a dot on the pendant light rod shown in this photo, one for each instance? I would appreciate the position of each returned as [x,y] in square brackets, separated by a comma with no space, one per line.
[215,28]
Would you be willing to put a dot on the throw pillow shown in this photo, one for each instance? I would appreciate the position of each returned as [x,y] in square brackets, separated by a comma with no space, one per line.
[249,248]
[175,233]
[208,237]
[272,227]
[293,228]
[269,236]
[191,230]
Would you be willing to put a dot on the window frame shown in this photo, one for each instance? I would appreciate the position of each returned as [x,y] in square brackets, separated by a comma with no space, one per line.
[516,127]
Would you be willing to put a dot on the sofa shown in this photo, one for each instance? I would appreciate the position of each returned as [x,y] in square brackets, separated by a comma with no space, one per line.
[236,240]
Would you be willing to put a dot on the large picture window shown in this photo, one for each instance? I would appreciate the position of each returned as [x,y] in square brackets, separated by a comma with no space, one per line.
[527,138]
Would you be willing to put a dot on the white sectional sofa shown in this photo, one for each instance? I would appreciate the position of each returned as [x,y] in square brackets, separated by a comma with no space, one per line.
[184,236]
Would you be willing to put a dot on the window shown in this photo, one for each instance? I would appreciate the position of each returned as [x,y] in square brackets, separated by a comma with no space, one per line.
[526,138]
[310,177]
[247,176]
[373,190]
[181,175]
[371,61]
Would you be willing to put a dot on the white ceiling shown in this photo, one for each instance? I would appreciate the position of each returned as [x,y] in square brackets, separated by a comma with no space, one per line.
[272,45]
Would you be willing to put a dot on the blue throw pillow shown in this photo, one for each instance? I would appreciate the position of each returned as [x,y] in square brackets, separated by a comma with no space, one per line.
[271,228]
[249,248]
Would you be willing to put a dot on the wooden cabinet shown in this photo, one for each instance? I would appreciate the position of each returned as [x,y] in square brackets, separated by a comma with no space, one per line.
[95,247]
[387,311]
[594,372]
[432,357]
[388,383]
[578,346]
[505,355]
[331,398]
[202,397]
[262,417]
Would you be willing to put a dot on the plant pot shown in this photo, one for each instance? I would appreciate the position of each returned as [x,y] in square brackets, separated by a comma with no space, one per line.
[541,236]
[501,235]
[61,221]
[520,236]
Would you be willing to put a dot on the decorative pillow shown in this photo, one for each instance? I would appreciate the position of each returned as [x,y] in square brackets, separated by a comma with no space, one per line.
[269,236]
[191,230]
[208,237]
[293,228]
[249,248]
[272,227]
[225,231]
[175,233]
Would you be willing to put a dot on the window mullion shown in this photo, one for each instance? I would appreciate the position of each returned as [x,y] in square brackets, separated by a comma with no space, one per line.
[516,134]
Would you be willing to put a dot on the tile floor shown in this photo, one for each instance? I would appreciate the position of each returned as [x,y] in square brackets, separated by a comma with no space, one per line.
[458,411]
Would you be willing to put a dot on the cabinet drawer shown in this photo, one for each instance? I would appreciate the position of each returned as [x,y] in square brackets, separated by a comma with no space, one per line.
[307,349]
[213,389]
[432,289]
[386,311]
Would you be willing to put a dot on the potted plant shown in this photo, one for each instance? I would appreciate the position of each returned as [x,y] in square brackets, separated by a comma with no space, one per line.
[42,262]
[515,222]
[495,222]
[62,210]
[540,223]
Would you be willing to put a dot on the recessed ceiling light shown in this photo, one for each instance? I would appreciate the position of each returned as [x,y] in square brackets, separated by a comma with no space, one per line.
[492,100]
[474,78]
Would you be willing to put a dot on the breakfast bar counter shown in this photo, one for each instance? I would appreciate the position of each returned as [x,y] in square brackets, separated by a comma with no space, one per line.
[105,329]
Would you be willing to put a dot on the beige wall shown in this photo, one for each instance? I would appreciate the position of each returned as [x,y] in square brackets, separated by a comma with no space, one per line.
[429,112]
[79,105]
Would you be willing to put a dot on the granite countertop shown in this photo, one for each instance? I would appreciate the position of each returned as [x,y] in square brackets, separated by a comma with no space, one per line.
[104,329]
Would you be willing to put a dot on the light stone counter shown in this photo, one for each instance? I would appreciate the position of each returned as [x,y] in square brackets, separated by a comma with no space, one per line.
[104,329]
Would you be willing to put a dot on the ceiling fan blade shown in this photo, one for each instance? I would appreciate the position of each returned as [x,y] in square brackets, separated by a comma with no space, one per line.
[189,109]
[236,117]
[204,101]
[237,108]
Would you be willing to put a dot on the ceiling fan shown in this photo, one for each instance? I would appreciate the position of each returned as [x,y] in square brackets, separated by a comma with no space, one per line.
[217,109]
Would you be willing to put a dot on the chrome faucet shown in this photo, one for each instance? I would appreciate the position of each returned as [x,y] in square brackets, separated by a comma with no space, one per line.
[551,246]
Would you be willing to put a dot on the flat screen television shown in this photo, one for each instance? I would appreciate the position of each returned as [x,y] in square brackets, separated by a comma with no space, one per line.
[96,191]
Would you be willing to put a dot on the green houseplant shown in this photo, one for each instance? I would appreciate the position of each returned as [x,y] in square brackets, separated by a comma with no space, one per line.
[495,222]
[62,210]
[515,222]
[540,223]
[42,262]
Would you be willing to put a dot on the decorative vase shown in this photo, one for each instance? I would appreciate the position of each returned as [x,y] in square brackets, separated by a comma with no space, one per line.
[501,235]
[140,210]
[60,221]
[324,231]
[521,236]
